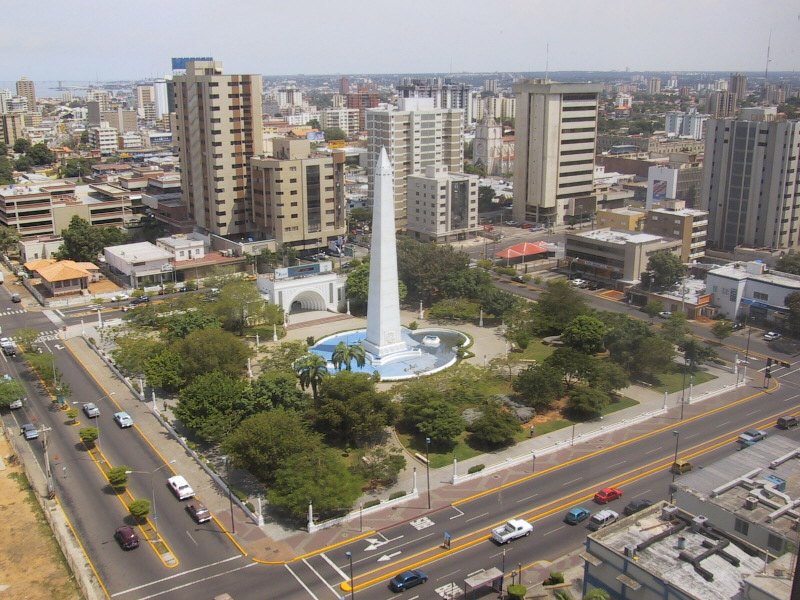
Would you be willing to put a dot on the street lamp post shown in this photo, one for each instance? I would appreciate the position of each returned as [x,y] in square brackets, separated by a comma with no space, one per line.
[677,435]
[349,556]
[153,487]
[683,390]
[428,469]
[230,492]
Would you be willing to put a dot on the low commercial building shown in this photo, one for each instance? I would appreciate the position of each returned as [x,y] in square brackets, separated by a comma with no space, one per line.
[306,287]
[442,206]
[689,225]
[613,257]
[626,219]
[750,290]
[183,246]
[139,264]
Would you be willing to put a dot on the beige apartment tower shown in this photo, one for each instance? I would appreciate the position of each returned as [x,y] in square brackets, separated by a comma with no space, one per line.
[415,136]
[298,198]
[556,131]
[26,88]
[218,127]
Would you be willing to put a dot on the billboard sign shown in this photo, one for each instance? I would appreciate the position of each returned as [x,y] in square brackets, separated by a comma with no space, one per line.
[659,189]
[180,63]
[315,136]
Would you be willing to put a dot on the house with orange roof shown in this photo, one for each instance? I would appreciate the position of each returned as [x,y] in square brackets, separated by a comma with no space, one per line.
[66,277]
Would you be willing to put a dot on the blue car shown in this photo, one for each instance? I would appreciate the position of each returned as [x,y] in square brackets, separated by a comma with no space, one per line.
[576,515]
[407,579]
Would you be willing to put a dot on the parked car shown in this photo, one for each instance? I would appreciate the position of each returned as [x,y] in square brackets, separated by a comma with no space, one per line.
[576,515]
[737,325]
[121,297]
[140,300]
[665,314]
[750,437]
[16,298]
[635,506]
[787,422]
[199,512]
[9,348]
[579,283]
[123,419]
[180,487]
[602,519]
[407,579]
[127,538]
[771,336]
[29,431]
[607,495]
[16,404]
[518,279]
[511,530]
[90,410]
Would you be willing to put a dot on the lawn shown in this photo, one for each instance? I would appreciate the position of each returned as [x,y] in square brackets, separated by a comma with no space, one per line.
[673,381]
[461,451]
[536,350]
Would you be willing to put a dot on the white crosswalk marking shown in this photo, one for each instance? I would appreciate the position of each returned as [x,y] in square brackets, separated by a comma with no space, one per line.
[422,523]
[44,336]
[449,591]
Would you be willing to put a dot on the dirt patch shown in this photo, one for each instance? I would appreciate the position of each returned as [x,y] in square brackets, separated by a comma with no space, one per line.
[553,414]
[31,563]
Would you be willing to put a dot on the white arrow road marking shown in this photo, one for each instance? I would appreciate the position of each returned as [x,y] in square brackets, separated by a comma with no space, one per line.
[386,557]
[375,543]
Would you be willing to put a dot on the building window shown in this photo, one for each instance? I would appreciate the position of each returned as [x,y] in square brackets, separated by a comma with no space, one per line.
[775,543]
[732,297]
[760,296]
[741,527]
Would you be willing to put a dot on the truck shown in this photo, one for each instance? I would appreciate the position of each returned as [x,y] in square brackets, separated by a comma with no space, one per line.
[511,530]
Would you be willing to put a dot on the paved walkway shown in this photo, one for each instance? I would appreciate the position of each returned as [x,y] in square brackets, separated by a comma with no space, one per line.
[272,542]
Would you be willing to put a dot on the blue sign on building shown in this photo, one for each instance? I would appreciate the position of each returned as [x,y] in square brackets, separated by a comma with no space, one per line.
[182,62]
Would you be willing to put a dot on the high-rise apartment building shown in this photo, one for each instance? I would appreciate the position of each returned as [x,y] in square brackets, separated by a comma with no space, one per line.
[363,99]
[145,102]
[415,136]
[218,127]
[556,130]
[446,93]
[737,84]
[11,127]
[102,97]
[442,206]
[5,96]
[297,198]
[722,105]
[345,119]
[751,184]
[25,87]
[685,124]
[161,98]
[653,85]
[344,86]
[104,138]
[124,121]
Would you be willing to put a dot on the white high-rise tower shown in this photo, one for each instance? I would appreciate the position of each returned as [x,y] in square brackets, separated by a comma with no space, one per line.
[383,306]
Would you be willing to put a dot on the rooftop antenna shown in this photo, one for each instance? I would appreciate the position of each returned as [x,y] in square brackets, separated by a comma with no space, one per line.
[546,61]
[766,68]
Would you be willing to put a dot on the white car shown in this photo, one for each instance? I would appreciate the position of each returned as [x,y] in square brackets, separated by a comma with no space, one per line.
[16,404]
[665,314]
[121,297]
[771,336]
[511,530]
[579,283]
[90,410]
[123,419]
[180,487]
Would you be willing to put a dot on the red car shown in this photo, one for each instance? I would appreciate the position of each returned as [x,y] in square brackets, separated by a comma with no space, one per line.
[607,495]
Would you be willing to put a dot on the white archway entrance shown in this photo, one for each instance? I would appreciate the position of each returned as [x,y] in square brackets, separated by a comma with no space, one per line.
[307,300]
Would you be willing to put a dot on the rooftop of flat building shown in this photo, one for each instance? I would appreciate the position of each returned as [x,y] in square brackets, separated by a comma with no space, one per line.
[680,212]
[702,562]
[625,211]
[759,484]
[616,236]
[689,291]
[140,251]
[739,271]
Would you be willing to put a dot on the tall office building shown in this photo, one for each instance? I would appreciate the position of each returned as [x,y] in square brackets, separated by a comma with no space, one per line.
[161,97]
[296,197]
[415,136]
[363,99]
[686,124]
[445,92]
[25,87]
[145,102]
[722,104]
[653,85]
[737,84]
[218,127]
[556,132]
[344,86]
[751,184]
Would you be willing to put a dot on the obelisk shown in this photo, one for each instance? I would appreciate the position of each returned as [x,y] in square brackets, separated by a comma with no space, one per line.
[383,304]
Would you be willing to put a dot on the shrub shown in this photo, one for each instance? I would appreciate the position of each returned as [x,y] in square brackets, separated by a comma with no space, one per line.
[396,495]
[139,509]
[537,280]
[556,577]
[371,503]
[118,477]
[310,341]
[475,469]
[191,285]
[413,325]
[89,435]
[250,507]
[517,592]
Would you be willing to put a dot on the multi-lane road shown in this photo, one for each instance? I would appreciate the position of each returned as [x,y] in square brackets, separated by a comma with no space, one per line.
[204,561]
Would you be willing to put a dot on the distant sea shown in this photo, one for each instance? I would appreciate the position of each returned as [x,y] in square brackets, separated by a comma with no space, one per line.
[49,89]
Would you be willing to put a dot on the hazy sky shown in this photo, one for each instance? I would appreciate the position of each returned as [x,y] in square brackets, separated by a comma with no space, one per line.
[105,40]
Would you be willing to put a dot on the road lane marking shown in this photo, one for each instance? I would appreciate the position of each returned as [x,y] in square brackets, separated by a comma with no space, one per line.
[640,494]
[554,530]
[572,481]
[616,464]
[722,424]
[341,573]
[531,497]
[321,578]
[191,538]
[300,581]
[460,513]
[653,450]
[181,574]
[476,517]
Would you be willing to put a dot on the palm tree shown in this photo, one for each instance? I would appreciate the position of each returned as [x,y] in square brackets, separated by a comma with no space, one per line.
[358,354]
[312,368]
[345,355]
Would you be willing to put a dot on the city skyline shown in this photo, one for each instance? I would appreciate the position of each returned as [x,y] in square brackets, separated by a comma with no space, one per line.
[513,36]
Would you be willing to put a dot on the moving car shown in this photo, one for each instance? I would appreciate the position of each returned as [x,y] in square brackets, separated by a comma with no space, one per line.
[579,283]
[511,530]
[16,298]
[199,512]
[90,410]
[123,419]
[787,422]
[665,314]
[16,404]
[679,467]
[635,506]
[29,431]
[601,519]
[576,515]
[607,495]
[127,538]
[407,579]
[750,437]
[9,348]
[180,487]
[518,279]
[771,336]
[140,300]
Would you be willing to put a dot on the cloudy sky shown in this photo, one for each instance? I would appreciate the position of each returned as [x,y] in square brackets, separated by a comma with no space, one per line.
[105,40]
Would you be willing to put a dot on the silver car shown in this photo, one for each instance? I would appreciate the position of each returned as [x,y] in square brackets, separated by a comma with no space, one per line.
[90,410]
[29,431]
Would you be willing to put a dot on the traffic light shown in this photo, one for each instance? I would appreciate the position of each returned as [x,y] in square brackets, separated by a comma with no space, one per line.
[769,362]
[767,373]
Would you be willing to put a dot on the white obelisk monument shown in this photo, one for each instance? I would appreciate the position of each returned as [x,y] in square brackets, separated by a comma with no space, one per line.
[383,304]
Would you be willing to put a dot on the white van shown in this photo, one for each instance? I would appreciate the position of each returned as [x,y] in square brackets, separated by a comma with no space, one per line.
[601,519]
[180,487]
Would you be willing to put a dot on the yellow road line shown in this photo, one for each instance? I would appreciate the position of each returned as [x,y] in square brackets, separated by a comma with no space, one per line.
[85,554]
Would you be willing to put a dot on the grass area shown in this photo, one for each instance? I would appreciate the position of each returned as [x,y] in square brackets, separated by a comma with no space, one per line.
[624,402]
[536,350]
[547,427]
[673,381]
[461,450]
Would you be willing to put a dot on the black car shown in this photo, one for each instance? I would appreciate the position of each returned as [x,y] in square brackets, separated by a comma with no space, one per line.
[140,300]
[737,326]
[407,579]
[127,538]
[635,506]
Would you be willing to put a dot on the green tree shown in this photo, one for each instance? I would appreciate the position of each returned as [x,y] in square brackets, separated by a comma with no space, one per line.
[277,389]
[585,334]
[596,594]
[653,307]
[585,403]
[722,329]
[696,353]
[643,356]
[539,386]
[666,269]
[456,309]
[318,477]
[118,477]
[608,376]
[497,302]
[212,405]
[344,354]
[40,154]
[239,304]
[261,444]
[6,170]
[10,390]
[165,371]
[574,366]
[485,198]
[133,350]
[495,428]
[88,436]
[314,123]
[207,350]
[438,420]
[3,148]
[78,167]
[21,146]
[361,216]
[84,242]
[793,304]
[139,509]
[425,267]
[380,466]
[23,163]
[334,133]
[675,328]
[558,305]
[284,356]
[8,238]
[181,325]
[789,263]
[358,286]
[312,370]
[349,409]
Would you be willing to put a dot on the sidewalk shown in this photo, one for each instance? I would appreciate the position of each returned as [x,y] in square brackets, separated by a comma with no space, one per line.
[271,542]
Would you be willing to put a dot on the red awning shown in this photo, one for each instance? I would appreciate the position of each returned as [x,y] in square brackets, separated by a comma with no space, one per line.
[524,249]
